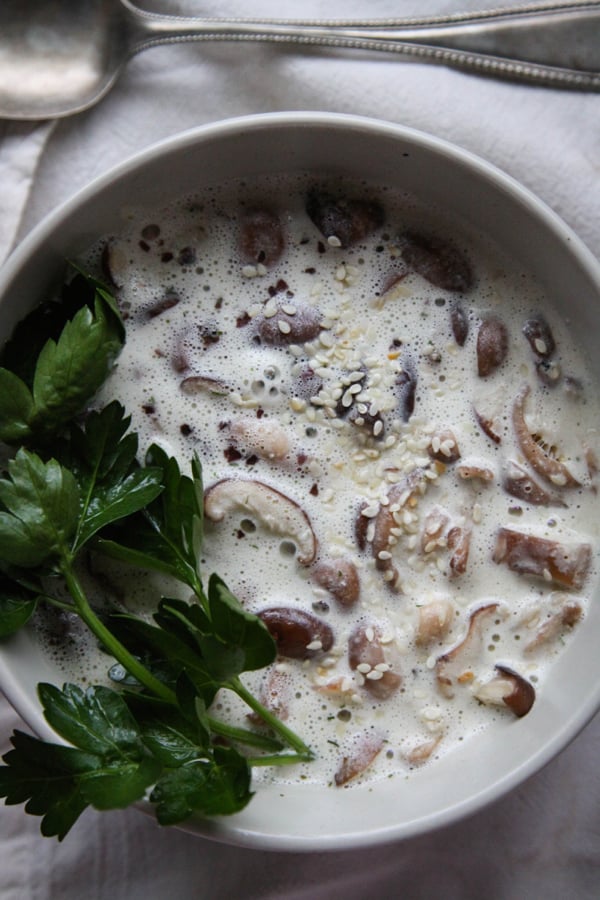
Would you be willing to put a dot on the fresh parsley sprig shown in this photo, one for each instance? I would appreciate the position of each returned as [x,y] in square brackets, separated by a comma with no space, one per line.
[75,484]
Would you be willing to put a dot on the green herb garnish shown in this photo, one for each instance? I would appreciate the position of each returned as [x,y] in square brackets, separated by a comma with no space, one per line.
[74,485]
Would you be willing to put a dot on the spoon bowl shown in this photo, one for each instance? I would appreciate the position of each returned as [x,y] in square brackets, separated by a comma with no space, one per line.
[59,57]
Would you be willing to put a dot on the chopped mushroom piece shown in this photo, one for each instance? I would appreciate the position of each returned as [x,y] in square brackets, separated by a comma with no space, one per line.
[261,237]
[492,346]
[519,483]
[452,666]
[472,471]
[555,625]
[436,260]
[365,748]
[544,464]
[204,384]
[275,510]
[280,327]
[444,446]
[459,321]
[459,542]
[507,688]
[540,337]
[488,426]
[422,752]
[433,535]
[264,437]
[401,495]
[367,658]
[298,634]
[340,578]
[344,221]
[567,565]
[434,621]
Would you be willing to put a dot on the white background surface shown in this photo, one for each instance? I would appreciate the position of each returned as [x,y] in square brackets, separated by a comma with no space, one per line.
[542,840]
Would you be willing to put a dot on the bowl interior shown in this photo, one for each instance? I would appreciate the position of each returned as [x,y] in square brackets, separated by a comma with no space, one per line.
[307,817]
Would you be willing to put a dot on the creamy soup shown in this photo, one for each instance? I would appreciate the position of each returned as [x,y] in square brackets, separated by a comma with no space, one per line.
[397,436]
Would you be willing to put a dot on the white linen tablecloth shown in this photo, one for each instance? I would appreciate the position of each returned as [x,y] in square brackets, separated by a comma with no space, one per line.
[543,839]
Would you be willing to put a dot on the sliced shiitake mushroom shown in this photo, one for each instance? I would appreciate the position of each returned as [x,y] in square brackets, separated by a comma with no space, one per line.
[540,337]
[276,511]
[339,577]
[492,345]
[563,618]
[488,426]
[544,464]
[459,544]
[204,384]
[567,565]
[518,482]
[261,236]
[298,634]
[263,437]
[444,446]
[364,749]
[437,260]
[366,656]
[347,219]
[457,665]
[283,327]
[434,621]
[406,387]
[399,495]
[507,688]
[459,322]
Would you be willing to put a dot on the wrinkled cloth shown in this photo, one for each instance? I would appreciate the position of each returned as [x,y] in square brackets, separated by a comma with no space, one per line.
[543,839]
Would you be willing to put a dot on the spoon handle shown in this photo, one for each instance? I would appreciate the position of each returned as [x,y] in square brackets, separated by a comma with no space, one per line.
[552,44]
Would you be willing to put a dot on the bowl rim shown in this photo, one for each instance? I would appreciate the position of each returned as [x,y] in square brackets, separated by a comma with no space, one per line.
[518,193]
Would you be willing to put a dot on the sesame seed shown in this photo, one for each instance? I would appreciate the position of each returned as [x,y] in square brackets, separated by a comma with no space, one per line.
[374,675]
[334,241]
[363,668]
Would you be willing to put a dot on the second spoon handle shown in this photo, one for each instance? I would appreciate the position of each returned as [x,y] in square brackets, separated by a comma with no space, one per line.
[554,44]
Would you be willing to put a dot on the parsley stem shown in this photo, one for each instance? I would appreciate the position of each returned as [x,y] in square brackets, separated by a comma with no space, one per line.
[109,641]
[279,759]
[285,733]
[243,736]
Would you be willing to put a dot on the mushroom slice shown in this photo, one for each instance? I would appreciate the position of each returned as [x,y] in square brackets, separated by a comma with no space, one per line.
[434,620]
[433,535]
[488,426]
[203,384]
[519,483]
[567,565]
[281,326]
[261,237]
[366,656]
[459,543]
[298,634]
[565,617]
[507,688]
[365,748]
[471,471]
[401,495]
[492,346]
[406,387]
[540,337]
[459,322]
[344,221]
[275,695]
[458,663]
[340,578]
[444,447]
[275,510]
[544,464]
[421,753]
[265,438]
[437,260]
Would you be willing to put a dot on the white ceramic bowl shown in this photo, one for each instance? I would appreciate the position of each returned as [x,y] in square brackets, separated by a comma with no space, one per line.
[307,817]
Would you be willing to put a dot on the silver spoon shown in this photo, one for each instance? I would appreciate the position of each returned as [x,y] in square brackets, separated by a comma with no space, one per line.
[58,57]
